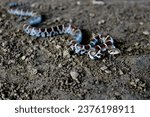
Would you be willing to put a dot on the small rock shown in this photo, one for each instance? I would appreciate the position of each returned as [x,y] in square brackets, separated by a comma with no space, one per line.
[120,72]
[104,60]
[34,71]
[132,83]
[92,15]
[70,20]
[145,32]
[99,2]
[141,23]
[114,68]
[73,63]
[35,5]
[11,62]
[136,44]
[75,76]
[3,15]
[78,3]
[101,22]
[58,19]
[66,54]
[103,68]
[137,80]
[129,49]
[142,85]
[117,94]
[23,57]
[107,71]
[60,65]
[58,47]
[62,7]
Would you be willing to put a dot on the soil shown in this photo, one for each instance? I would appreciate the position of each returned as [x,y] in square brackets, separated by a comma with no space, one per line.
[45,68]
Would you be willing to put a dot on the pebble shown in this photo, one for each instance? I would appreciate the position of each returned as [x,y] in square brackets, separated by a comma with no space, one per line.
[58,47]
[66,54]
[117,94]
[3,15]
[107,71]
[101,22]
[99,2]
[58,19]
[11,62]
[34,71]
[60,65]
[141,23]
[137,80]
[35,5]
[120,72]
[145,32]
[136,44]
[23,57]
[73,63]
[92,15]
[129,49]
[103,68]
[78,3]
[75,76]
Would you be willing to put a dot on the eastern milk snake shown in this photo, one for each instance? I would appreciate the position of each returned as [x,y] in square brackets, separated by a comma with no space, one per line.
[99,44]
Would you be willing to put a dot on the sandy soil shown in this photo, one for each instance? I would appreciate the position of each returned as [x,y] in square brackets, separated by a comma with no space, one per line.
[45,68]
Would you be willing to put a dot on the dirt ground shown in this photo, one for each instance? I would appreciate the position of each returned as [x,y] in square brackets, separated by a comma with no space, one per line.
[45,68]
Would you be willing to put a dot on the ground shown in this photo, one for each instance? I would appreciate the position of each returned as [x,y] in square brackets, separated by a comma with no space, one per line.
[45,68]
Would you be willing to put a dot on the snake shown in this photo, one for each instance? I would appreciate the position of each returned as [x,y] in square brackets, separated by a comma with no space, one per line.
[99,44]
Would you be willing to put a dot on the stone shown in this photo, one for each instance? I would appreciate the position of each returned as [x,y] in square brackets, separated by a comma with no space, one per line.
[75,76]
[92,15]
[101,22]
[129,49]
[108,71]
[78,3]
[23,57]
[66,54]
[98,2]
[120,72]
[145,32]
[103,68]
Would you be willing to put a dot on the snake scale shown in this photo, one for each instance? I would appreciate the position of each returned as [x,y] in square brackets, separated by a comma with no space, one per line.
[99,44]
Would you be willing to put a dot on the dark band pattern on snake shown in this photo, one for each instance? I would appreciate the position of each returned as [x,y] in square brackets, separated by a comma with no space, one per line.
[99,44]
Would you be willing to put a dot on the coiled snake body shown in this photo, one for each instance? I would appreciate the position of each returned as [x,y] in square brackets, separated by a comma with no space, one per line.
[99,44]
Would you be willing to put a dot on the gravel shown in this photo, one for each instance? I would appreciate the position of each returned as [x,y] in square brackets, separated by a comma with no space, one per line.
[45,68]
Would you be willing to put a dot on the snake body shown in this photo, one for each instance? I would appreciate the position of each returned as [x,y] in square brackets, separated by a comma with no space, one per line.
[99,44]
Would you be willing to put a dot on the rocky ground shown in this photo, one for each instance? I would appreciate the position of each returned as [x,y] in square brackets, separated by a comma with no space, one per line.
[45,68]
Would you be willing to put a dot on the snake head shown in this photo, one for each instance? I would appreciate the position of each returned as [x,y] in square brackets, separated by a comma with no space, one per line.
[114,51]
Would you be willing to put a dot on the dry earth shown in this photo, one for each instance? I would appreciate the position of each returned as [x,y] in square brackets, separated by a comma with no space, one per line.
[45,68]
